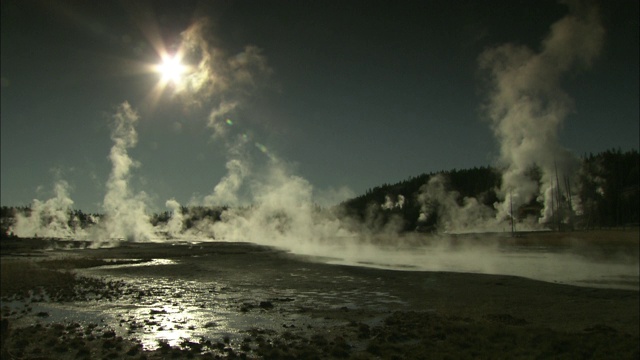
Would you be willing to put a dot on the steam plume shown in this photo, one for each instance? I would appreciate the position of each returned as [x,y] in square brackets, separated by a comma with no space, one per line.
[176,222]
[224,83]
[126,212]
[217,77]
[434,198]
[527,105]
[283,214]
[389,204]
[215,121]
[226,191]
[49,218]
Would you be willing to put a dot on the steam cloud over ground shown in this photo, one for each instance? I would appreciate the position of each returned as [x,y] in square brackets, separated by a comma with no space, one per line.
[527,106]
[263,200]
[127,217]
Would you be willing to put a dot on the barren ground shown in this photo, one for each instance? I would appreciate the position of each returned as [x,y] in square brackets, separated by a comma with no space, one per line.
[240,300]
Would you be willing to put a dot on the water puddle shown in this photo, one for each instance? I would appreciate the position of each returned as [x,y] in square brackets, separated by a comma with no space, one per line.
[159,310]
[205,300]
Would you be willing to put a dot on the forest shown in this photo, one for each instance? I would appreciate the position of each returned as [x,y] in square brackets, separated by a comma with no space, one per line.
[607,187]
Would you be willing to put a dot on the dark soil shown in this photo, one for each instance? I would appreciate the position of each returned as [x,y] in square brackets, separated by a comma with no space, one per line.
[239,300]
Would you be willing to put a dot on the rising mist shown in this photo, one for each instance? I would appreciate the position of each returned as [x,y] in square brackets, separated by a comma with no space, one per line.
[270,204]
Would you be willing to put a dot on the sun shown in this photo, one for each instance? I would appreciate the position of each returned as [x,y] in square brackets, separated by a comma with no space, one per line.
[173,74]
[171,69]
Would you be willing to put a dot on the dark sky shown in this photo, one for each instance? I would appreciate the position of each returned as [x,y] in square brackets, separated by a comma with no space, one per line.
[353,94]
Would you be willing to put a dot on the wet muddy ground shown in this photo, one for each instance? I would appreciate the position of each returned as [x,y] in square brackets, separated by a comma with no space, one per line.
[240,300]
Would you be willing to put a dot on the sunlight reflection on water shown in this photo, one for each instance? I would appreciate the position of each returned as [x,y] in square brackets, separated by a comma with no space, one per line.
[136,263]
[159,300]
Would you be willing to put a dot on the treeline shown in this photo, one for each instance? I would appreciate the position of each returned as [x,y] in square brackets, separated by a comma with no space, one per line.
[191,215]
[76,219]
[479,182]
[608,190]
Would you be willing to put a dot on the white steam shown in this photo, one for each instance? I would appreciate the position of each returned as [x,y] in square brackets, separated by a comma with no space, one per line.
[216,122]
[175,226]
[125,212]
[527,107]
[224,83]
[283,213]
[390,204]
[226,192]
[276,207]
[467,216]
[126,216]
[48,219]
[217,77]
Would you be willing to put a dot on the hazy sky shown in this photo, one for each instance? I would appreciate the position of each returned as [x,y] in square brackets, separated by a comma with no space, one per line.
[350,94]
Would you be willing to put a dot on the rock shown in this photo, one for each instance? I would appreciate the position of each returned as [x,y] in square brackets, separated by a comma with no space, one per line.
[267,305]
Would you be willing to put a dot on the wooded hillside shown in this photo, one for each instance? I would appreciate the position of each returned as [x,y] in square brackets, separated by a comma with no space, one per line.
[608,189]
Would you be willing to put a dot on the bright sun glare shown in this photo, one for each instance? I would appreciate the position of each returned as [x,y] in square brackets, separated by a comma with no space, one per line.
[171,69]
